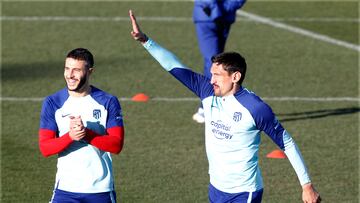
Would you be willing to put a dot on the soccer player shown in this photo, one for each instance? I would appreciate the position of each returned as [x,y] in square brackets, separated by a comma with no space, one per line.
[82,125]
[212,20]
[234,118]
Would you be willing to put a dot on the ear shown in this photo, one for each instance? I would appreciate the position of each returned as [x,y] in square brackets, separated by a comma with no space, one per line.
[91,70]
[236,77]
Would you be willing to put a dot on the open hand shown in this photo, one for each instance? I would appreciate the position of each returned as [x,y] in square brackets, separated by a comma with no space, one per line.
[136,33]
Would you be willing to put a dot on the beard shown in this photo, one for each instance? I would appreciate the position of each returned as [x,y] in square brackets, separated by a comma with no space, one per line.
[217,91]
[80,85]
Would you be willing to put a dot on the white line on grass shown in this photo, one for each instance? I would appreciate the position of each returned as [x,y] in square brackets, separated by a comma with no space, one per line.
[168,19]
[93,18]
[190,99]
[246,15]
[318,20]
[297,30]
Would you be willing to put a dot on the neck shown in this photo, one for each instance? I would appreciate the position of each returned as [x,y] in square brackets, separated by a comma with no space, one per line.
[236,88]
[81,92]
[233,91]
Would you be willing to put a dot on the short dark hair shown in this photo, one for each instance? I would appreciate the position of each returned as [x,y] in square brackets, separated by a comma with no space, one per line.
[83,55]
[231,62]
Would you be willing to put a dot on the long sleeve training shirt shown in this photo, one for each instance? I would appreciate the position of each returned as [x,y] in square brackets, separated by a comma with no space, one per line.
[232,129]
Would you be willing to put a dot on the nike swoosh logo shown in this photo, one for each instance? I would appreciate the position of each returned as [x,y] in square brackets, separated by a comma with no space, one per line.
[65,115]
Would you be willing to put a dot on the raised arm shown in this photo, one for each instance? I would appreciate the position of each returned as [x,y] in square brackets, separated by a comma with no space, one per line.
[197,83]
[166,59]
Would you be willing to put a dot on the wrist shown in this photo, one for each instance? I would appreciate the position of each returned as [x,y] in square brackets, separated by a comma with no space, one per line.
[307,186]
[144,39]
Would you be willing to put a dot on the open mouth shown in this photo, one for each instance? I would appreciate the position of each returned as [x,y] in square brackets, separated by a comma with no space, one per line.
[71,81]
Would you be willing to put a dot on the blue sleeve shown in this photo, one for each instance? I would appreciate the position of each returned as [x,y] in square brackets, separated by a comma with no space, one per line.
[197,83]
[115,117]
[266,121]
[47,116]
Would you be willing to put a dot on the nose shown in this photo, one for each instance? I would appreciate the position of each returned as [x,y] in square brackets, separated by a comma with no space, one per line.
[69,73]
[212,80]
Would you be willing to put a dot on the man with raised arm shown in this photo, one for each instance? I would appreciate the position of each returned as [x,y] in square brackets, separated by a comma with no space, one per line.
[234,118]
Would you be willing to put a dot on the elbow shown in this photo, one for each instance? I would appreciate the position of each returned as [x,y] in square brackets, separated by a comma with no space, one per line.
[44,151]
[117,151]
[119,145]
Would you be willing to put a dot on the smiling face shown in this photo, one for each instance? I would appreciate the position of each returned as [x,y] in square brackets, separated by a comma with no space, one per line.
[224,83]
[76,75]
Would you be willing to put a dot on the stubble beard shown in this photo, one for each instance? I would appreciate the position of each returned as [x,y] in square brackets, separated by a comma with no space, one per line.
[80,86]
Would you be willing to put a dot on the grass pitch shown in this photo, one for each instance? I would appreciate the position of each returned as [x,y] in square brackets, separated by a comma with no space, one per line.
[164,159]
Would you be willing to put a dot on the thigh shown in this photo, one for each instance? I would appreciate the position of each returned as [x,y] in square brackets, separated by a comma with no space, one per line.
[209,42]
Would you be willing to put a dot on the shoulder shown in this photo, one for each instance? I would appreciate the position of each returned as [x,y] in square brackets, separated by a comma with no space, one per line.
[57,99]
[196,82]
[103,97]
[255,105]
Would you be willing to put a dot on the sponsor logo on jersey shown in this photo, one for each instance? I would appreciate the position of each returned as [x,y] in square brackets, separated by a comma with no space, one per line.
[237,116]
[97,114]
[220,130]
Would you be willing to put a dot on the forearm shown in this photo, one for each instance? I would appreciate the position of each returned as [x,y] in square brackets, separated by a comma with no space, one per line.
[166,58]
[112,142]
[296,159]
[49,144]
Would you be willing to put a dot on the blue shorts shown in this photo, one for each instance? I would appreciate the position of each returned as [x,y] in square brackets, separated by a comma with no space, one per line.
[217,196]
[61,196]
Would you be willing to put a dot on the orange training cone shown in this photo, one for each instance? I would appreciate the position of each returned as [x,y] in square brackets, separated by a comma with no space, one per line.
[140,97]
[276,154]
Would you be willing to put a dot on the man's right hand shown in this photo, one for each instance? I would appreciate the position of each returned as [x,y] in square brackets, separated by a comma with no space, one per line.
[77,129]
[136,32]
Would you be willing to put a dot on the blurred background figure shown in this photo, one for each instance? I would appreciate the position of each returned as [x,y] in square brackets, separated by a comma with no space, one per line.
[213,19]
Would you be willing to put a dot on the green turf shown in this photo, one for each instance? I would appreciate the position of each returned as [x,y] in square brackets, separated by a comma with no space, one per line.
[164,159]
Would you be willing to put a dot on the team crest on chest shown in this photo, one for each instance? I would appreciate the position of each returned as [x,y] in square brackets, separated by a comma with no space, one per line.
[97,113]
[237,116]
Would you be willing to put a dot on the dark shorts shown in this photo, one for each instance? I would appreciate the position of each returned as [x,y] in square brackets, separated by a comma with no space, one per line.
[61,196]
[217,196]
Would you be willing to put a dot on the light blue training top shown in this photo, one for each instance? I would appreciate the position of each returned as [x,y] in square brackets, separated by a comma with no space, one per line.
[232,129]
